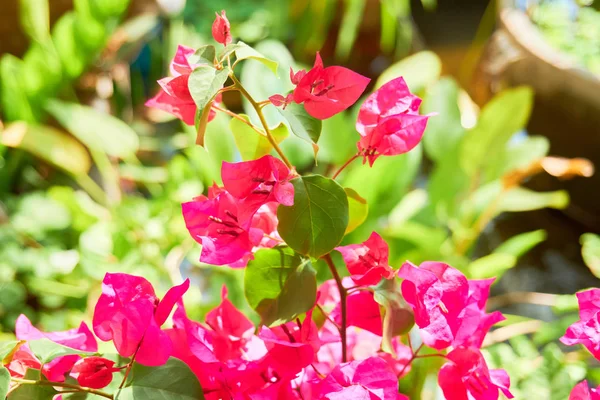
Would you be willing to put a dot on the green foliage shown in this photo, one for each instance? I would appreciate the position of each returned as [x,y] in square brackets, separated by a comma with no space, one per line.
[251,144]
[46,350]
[172,381]
[590,250]
[29,392]
[302,124]
[280,285]
[317,221]
[4,382]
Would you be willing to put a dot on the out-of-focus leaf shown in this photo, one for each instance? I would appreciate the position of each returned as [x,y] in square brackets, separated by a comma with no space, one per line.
[35,18]
[96,247]
[30,392]
[516,156]
[250,144]
[444,130]
[520,244]
[4,382]
[280,285]
[426,238]
[72,57]
[353,13]
[41,73]
[38,213]
[552,331]
[491,266]
[419,71]
[500,119]
[337,142]
[244,52]
[317,221]
[410,205]
[590,250]
[107,9]
[15,105]
[49,144]
[219,142]
[97,130]
[357,209]
[447,187]
[521,199]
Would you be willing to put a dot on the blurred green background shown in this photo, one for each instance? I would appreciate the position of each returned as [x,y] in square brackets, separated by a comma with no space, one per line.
[92,181]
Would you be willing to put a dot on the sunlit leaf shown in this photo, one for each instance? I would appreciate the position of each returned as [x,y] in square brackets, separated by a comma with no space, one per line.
[250,143]
[491,266]
[418,70]
[357,208]
[590,250]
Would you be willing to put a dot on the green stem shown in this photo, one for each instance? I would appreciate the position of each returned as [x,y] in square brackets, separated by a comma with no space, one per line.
[263,121]
[63,385]
[343,295]
[92,188]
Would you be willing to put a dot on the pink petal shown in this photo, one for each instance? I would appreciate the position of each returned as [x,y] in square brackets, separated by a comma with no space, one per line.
[184,110]
[156,347]
[180,64]
[500,378]
[174,295]
[363,312]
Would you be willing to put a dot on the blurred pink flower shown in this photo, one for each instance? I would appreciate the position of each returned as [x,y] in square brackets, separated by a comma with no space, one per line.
[586,331]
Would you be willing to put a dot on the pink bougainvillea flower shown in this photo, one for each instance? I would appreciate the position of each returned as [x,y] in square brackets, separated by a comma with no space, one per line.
[215,223]
[466,376]
[367,262]
[438,294]
[388,121]
[80,339]
[291,346]
[328,91]
[94,372]
[586,331]
[258,182]
[129,313]
[174,96]
[370,379]
[232,330]
[582,391]
[221,30]
[474,322]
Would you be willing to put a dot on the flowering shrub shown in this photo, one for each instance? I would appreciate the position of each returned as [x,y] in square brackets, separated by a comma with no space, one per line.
[347,338]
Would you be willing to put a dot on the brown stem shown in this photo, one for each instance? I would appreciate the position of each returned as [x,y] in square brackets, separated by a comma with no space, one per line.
[343,294]
[263,121]
[130,365]
[62,385]
[354,157]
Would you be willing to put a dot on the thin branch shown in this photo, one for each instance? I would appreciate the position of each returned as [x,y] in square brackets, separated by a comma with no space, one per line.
[62,385]
[354,157]
[343,294]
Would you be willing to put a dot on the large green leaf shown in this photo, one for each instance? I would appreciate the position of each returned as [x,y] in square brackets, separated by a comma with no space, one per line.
[590,250]
[444,130]
[46,350]
[280,285]
[35,18]
[49,144]
[506,114]
[171,381]
[97,130]
[418,70]
[316,223]
[205,82]
[32,392]
[302,124]
[357,209]
[4,382]
[251,144]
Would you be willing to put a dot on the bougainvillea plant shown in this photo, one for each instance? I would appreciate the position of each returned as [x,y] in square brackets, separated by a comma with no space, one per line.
[349,338]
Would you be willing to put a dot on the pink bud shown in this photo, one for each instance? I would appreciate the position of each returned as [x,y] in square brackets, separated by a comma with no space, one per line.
[221,29]
[94,372]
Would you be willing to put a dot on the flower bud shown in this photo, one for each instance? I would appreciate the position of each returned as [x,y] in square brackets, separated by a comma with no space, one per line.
[93,372]
[221,29]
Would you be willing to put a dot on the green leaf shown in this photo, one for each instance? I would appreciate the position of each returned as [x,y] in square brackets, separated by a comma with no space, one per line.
[398,318]
[357,210]
[46,350]
[35,18]
[444,130]
[97,130]
[72,57]
[4,382]
[31,392]
[419,71]
[280,285]
[590,250]
[206,54]
[506,114]
[316,223]
[49,144]
[353,16]
[252,145]
[521,199]
[205,82]
[491,266]
[171,381]
[244,52]
[7,350]
[411,204]
[517,156]
[302,124]
[520,244]
[15,104]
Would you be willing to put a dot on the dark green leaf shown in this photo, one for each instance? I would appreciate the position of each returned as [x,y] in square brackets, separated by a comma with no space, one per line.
[33,392]
[316,223]
[97,130]
[172,381]
[280,285]
[46,350]
[302,124]
[357,210]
